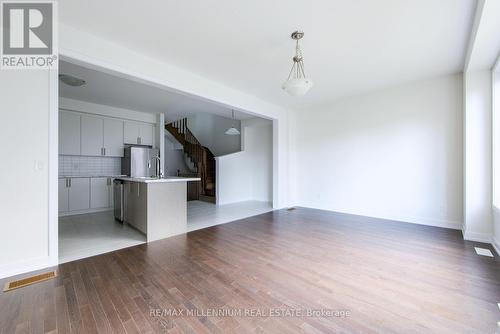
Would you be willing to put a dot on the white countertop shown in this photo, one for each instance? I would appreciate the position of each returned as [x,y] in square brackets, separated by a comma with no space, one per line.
[156,180]
[87,176]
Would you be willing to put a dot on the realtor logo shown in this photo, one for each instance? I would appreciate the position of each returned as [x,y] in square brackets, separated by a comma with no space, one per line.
[28,35]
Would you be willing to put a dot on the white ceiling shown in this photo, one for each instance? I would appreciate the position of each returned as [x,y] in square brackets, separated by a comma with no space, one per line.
[350,46]
[103,88]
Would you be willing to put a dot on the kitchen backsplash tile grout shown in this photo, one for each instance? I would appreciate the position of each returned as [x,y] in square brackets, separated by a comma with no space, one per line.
[88,166]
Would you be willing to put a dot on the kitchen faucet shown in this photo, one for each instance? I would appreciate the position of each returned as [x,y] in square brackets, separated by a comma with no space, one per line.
[159,173]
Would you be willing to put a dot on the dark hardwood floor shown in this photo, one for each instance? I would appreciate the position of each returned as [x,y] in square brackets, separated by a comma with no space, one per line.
[386,277]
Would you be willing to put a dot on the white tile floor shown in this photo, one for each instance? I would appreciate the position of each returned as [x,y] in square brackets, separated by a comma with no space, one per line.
[202,214]
[92,234]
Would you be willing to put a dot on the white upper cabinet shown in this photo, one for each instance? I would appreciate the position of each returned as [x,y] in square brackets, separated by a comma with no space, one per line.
[146,134]
[131,133]
[113,138]
[69,133]
[138,133]
[101,136]
[82,134]
[92,136]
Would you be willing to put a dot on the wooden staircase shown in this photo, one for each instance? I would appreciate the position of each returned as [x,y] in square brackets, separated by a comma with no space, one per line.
[199,155]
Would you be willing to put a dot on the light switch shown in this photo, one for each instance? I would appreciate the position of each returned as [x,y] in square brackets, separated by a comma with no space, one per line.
[39,165]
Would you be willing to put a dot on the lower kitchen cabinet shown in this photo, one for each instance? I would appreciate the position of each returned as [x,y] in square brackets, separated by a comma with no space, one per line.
[63,195]
[85,194]
[79,194]
[100,192]
[135,203]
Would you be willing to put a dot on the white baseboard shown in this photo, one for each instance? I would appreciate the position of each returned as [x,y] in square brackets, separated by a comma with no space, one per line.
[477,237]
[455,225]
[26,266]
[82,212]
[496,244]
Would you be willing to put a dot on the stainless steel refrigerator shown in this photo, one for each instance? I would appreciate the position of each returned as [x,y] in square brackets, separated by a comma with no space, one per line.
[138,161]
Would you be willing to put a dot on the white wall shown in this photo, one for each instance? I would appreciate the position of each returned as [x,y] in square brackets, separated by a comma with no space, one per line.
[478,156]
[247,175]
[496,158]
[174,158]
[25,125]
[394,154]
[210,130]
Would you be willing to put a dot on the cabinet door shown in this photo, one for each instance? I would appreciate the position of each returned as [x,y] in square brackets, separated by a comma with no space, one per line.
[146,134]
[137,215]
[113,138]
[63,196]
[129,202]
[92,133]
[69,133]
[131,133]
[126,201]
[99,192]
[79,194]
[111,192]
[141,219]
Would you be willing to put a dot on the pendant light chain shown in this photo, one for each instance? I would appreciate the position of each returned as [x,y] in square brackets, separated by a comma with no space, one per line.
[298,64]
[297,84]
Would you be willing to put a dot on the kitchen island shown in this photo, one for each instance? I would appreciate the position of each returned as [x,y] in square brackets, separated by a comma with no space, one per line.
[156,206]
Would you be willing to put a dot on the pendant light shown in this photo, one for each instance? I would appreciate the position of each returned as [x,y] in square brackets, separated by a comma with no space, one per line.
[232,131]
[297,84]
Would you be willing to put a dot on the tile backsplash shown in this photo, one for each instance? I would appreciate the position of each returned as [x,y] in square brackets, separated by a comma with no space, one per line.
[88,166]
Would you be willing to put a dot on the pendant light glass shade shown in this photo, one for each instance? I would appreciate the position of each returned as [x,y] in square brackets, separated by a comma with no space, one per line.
[232,131]
[297,86]
[297,83]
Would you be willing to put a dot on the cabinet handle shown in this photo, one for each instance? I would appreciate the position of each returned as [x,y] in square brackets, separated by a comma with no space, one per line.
[69,183]
[104,149]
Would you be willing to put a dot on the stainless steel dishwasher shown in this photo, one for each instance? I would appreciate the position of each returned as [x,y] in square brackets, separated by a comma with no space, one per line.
[118,200]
